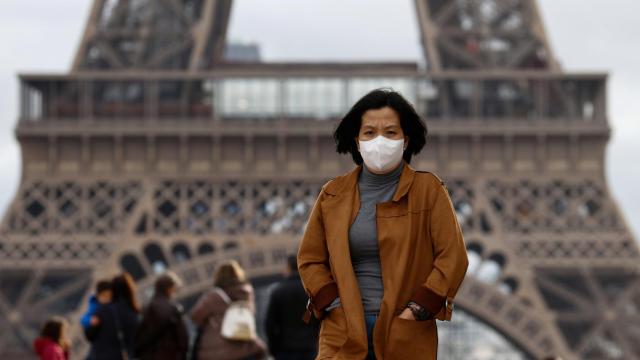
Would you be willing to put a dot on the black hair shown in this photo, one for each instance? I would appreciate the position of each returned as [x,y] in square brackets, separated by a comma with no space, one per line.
[412,124]
[54,329]
[103,285]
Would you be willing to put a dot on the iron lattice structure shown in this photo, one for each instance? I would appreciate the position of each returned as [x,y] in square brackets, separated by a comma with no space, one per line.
[155,152]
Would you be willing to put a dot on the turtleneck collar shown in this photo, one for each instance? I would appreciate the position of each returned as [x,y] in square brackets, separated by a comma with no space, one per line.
[367,178]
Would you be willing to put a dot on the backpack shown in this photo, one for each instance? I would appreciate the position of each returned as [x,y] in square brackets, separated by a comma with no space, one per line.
[238,322]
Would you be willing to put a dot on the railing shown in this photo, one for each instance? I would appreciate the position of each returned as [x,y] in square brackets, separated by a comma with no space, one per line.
[211,97]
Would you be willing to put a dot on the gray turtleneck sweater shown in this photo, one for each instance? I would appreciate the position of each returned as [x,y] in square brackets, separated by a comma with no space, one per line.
[363,236]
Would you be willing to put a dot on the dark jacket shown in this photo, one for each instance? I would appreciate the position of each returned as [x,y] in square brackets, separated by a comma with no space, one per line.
[162,335]
[104,337]
[286,332]
[208,313]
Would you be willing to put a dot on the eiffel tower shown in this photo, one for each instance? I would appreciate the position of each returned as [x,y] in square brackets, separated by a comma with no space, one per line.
[158,151]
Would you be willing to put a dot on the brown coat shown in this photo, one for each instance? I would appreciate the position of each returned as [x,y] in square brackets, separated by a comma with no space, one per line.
[422,257]
[207,314]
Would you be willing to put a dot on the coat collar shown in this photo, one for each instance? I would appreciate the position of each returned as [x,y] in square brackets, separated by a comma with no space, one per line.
[346,184]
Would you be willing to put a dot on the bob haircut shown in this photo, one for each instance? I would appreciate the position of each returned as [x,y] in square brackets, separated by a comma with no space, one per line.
[412,125]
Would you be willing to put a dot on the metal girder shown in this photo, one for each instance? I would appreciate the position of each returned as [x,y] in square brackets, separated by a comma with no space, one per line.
[121,34]
[484,32]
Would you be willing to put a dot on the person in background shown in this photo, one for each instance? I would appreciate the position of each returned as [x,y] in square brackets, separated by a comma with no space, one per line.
[209,311]
[112,338]
[289,338]
[162,334]
[52,343]
[102,296]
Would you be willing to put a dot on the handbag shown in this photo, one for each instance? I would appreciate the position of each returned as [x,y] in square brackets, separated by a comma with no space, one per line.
[238,321]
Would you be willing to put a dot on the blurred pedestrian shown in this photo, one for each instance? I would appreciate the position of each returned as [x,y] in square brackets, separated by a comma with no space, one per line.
[53,343]
[113,336]
[289,338]
[231,290]
[162,334]
[102,296]
[382,255]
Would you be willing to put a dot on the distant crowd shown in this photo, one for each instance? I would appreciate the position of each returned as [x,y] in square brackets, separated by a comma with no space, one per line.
[117,328]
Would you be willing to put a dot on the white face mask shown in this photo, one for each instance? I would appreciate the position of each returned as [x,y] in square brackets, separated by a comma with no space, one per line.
[381,154]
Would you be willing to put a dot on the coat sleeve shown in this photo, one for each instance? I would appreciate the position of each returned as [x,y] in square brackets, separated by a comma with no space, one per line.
[203,309]
[450,258]
[182,334]
[313,264]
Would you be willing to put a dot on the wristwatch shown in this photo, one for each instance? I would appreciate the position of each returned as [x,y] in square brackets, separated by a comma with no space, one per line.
[418,311]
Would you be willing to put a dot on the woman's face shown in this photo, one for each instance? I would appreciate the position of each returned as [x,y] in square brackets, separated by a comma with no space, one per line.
[384,121]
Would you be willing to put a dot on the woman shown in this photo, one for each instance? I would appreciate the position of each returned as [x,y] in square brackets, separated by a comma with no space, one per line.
[117,322]
[162,335]
[382,255]
[53,343]
[209,311]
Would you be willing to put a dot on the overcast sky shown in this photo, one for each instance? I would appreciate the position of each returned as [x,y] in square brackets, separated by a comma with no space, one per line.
[586,35]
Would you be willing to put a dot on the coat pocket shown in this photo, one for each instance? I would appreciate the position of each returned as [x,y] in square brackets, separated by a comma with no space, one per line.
[333,333]
[411,339]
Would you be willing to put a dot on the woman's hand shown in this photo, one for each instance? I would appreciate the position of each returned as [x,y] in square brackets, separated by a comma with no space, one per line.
[406,314]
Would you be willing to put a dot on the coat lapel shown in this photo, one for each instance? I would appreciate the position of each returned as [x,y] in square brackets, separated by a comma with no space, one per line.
[405,182]
[339,210]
